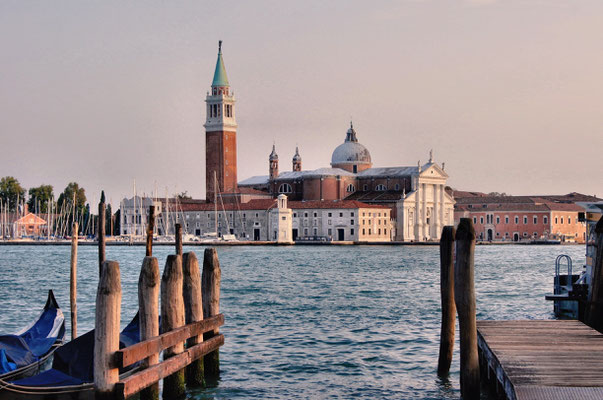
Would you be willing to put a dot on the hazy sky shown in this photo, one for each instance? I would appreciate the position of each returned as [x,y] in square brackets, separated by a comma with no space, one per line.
[509,94]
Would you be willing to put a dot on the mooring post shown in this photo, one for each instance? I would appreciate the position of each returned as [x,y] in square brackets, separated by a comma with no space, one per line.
[148,312]
[150,228]
[193,310]
[106,330]
[464,296]
[101,232]
[73,282]
[179,239]
[172,317]
[211,306]
[595,303]
[447,294]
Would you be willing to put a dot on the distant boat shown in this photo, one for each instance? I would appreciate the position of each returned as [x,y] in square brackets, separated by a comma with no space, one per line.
[29,352]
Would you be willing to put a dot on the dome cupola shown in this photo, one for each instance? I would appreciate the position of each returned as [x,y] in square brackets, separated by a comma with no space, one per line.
[351,155]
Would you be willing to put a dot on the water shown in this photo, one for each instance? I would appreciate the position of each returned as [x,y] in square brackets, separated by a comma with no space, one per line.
[309,322]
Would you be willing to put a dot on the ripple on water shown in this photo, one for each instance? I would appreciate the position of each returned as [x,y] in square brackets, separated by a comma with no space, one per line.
[309,322]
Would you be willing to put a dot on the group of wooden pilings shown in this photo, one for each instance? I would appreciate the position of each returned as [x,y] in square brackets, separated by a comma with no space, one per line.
[457,251]
[190,317]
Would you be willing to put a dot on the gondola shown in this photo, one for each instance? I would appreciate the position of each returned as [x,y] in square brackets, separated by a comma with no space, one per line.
[30,352]
[71,376]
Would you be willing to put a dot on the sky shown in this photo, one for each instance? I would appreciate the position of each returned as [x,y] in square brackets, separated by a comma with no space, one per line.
[508,94]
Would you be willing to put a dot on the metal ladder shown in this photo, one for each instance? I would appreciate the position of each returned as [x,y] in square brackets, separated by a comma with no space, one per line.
[558,286]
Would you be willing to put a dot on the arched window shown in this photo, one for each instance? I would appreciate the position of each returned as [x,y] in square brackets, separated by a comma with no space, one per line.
[365,188]
[285,188]
[351,188]
[380,188]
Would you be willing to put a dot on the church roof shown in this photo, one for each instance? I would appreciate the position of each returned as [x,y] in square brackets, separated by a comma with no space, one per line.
[220,78]
[255,180]
[389,171]
[315,173]
[350,151]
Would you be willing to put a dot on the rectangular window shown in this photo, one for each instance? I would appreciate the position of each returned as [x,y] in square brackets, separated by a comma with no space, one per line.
[379,231]
[516,219]
[351,222]
[294,215]
[257,215]
[506,220]
[329,222]
[306,215]
[498,220]
[363,231]
[330,231]
[556,220]
[351,231]
[545,219]
[330,215]
[569,220]
[352,213]
[481,220]
[341,214]
[369,231]
[561,220]
[284,218]
[385,231]
[474,220]
[525,220]
[315,215]
[535,220]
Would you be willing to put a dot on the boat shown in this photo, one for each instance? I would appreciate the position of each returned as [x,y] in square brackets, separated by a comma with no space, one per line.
[72,374]
[30,351]
[571,290]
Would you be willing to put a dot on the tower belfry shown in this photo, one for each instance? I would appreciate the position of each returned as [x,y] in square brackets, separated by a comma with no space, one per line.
[220,135]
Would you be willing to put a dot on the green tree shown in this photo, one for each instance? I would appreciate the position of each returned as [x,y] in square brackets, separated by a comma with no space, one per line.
[67,197]
[183,195]
[41,197]
[116,222]
[10,191]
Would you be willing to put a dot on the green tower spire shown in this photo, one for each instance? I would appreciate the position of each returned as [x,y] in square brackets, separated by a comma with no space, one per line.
[220,78]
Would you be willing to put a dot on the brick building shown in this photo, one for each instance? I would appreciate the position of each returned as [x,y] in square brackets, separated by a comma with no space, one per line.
[517,218]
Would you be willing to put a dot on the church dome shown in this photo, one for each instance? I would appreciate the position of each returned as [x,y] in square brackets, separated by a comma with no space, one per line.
[350,152]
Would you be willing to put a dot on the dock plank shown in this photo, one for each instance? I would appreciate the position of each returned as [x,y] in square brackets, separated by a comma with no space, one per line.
[543,359]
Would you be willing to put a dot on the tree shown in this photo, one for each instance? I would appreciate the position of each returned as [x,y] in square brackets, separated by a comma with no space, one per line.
[41,197]
[67,197]
[116,222]
[10,191]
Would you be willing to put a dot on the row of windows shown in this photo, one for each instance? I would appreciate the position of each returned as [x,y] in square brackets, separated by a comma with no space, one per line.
[286,188]
[489,219]
[220,90]
[215,110]
[377,231]
[315,214]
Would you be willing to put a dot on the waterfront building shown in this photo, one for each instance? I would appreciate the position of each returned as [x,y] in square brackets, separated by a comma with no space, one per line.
[517,218]
[277,220]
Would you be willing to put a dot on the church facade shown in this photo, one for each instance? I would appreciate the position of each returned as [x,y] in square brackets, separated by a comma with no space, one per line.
[415,195]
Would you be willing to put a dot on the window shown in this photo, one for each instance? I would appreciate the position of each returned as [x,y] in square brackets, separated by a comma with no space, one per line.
[294,215]
[330,215]
[481,220]
[569,220]
[315,231]
[329,222]
[545,220]
[306,231]
[365,188]
[498,220]
[506,220]
[306,214]
[330,231]
[284,188]
[352,213]
[474,220]
[525,220]
[535,220]
[350,188]
[341,214]
[535,235]
[380,188]
[379,231]
[257,215]
[351,222]
[363,231]
[516,219]
[385,231]
[315,215]
[369,231]
[561,220]
[397,187]
[556,220]
[351,231]
[284,218]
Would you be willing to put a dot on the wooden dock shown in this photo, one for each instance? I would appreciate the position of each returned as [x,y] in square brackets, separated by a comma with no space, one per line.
[541,359]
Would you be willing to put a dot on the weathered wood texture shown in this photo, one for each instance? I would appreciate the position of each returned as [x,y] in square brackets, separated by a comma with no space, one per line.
[142,350]
[73,281]
[106,333]
[464,297]
[594,313]
[179,239]
[140,380]
[210,284]
[148,312]
[543,359]
[101,232]
[193,310]
[172,317]
[150,228]
[447,298]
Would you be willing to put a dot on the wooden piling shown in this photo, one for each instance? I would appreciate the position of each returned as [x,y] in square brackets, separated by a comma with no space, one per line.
[464,296]
[211,306]
[172,317]
[447,298]
[594,317]
[106,333]
[150,228]
[148,312]
[101,232]
[193,310]
[178,239]
[73,282]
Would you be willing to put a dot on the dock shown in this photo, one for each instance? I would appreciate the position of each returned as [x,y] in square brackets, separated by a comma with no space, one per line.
[541,359]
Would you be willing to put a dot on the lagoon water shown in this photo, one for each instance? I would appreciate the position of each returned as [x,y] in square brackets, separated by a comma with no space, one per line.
[316,322]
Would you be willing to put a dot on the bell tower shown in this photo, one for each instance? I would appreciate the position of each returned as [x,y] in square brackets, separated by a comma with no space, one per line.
[273,164]
[220,135]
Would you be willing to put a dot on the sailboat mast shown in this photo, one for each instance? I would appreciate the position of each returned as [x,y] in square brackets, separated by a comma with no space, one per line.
[216,203]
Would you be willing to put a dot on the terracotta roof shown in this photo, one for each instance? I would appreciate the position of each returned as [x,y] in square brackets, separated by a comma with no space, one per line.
[520,207]
[266,204]
[374,195]
[341,204]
